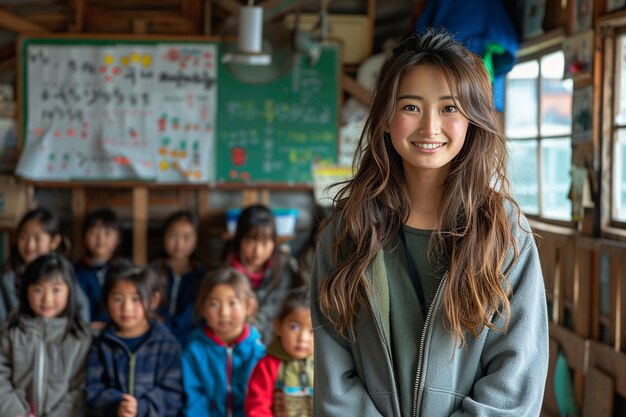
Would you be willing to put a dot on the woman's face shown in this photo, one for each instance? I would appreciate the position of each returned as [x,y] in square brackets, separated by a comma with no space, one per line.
[427,128]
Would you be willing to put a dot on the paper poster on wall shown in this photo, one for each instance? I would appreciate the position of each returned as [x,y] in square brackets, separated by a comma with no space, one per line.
[613,5]
[581,15]
[325,178]
[120,112]
[578,52]
[185,124]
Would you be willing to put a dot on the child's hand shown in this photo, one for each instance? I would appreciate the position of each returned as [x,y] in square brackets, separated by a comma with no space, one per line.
[128,406]
[97,325]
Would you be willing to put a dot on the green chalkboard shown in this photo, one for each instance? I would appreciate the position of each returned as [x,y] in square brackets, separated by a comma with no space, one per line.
[274,131]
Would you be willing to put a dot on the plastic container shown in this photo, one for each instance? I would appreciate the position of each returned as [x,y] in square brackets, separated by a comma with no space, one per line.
[285,220]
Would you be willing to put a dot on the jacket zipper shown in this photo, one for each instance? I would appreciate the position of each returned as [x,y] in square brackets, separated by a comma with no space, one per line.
[229,385]
[174,294]
[131,374]
[422,343]
[41,366]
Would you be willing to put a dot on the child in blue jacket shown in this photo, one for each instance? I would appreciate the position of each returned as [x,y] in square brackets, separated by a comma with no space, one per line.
[221,354]
[133,368]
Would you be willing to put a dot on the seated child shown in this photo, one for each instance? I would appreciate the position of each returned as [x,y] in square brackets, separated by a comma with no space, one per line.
[282,382]
[271,270]
[220,355]
[44,346]
[101,233]
[179,273]
[133,367]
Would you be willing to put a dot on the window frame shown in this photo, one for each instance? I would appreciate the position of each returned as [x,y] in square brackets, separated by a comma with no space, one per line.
[610,29]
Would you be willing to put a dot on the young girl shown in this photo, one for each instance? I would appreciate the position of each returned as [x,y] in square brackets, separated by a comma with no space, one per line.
[180,273]
[427,289]
[44,346]
[101,233]
[133,367]
[222,353]
[272,271]
[38,233]
[282,382]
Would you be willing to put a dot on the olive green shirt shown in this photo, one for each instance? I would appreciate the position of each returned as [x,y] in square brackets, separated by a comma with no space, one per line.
[407,321]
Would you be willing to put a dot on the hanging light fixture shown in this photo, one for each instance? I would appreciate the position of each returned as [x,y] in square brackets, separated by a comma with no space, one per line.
[250,38]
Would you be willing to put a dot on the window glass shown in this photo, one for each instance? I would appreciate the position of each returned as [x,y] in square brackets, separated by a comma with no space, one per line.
[523,174]
[556,97]
[521,101]
[619,176]
[556,164]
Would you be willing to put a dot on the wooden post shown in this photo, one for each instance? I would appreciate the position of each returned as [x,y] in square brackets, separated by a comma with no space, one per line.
[249,197]
[79,209]
[203,209]
[264,197]
[77,16]
[140,26]
[140,225]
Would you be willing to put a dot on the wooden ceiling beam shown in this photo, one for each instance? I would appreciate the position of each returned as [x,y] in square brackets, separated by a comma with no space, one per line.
[16,23]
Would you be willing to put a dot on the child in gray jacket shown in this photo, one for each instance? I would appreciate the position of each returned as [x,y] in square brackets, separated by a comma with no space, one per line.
[43,348]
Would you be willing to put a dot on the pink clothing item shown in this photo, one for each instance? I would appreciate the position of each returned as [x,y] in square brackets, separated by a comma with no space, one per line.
[255,277]
[211,335]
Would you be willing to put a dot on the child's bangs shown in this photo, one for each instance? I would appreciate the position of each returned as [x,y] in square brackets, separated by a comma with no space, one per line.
[51,275]
[260,233]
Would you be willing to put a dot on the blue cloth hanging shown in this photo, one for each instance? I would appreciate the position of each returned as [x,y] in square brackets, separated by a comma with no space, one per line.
[484,27]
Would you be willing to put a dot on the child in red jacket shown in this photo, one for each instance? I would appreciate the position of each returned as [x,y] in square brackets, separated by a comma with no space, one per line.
[281,384]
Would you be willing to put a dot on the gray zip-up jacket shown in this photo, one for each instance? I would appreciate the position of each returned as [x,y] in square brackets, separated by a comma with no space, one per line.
[494,375]
[41,365]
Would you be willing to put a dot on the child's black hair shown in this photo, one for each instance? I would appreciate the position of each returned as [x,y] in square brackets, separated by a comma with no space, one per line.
[104,216]
[179,215]
[49,267]
[295,298]
[142,277]
[234,279]
[254,221]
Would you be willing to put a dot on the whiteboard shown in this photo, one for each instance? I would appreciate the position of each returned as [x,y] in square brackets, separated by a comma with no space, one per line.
[119,111]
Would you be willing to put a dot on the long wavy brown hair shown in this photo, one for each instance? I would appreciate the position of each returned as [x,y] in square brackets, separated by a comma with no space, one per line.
[473,232]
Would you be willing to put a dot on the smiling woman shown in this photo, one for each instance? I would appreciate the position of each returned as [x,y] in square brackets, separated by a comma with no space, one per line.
[427,240]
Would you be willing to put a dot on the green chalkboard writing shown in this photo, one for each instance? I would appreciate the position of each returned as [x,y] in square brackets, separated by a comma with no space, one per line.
[274,131]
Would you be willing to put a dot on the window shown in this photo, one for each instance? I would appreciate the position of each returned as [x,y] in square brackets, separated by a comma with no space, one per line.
[618,194]
[538,120]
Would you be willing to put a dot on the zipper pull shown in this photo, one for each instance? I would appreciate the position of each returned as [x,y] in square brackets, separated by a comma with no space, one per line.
[303,376]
